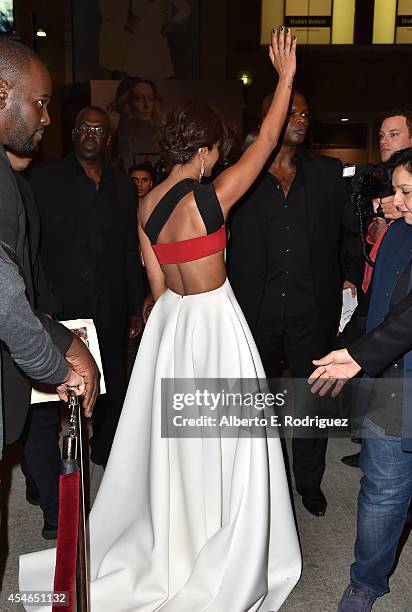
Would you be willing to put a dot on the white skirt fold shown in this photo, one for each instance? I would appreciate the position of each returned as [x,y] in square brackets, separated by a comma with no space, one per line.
[187,524]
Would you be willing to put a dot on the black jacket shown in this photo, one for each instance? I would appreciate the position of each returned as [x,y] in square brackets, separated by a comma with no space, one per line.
[247,257]
[90,258]
[43,297]
[13,233]
[378,349]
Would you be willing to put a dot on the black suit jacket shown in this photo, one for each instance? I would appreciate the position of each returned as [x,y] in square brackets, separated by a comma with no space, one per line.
[43,298]
[378,349]
[57,187]
[13,233]
[247,256]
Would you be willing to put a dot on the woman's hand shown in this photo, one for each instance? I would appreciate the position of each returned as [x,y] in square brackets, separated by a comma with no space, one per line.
[282,53]
[334,369]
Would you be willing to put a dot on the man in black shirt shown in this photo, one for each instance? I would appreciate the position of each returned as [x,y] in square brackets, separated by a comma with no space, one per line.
[88,220]
[41,458]
[283,264]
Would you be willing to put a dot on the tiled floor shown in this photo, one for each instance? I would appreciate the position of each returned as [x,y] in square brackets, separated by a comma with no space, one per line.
[327,542]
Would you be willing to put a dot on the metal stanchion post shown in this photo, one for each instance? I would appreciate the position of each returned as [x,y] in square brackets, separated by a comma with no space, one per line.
[73,461]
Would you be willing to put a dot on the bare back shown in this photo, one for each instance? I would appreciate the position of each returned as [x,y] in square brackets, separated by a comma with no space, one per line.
[184,223]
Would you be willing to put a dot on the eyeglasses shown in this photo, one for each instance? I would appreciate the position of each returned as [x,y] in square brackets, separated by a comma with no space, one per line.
[83,128]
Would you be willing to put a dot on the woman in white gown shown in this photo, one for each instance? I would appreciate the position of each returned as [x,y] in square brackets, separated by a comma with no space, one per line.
[192,524]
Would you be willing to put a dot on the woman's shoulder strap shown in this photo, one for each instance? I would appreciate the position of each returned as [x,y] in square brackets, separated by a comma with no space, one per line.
[165,207]
[209,207]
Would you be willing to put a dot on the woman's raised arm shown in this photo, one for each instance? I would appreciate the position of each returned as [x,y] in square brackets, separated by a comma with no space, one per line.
[235,181]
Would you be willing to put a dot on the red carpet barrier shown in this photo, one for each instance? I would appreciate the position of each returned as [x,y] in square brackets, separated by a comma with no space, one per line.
[71,572]
[67,535]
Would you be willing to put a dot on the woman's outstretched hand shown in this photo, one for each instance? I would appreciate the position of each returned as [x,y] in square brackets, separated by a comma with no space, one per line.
[282,53]
[333,370]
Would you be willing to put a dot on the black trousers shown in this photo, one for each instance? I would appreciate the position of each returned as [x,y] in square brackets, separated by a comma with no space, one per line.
[41,457]
[106,414]
[41,464]
[294,341]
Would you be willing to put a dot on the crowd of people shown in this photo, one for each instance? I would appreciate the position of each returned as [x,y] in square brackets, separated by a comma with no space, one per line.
[236,274]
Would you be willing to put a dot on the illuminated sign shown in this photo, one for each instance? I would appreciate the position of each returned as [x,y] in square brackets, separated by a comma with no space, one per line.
[308,21]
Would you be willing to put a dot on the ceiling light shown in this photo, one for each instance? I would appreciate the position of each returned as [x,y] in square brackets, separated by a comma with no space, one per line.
[246,78]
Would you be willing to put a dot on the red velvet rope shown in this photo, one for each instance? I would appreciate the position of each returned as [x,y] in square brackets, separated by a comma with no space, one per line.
[66,550]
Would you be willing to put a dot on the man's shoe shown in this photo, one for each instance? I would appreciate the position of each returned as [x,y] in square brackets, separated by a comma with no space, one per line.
[356,600]
[351,460]
[313,500]
[49,532]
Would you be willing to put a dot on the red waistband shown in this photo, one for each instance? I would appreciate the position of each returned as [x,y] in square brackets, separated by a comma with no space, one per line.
[192,249]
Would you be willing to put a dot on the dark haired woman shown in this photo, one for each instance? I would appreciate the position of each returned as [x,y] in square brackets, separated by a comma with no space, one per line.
[384,352]
[137,103]
[203,522]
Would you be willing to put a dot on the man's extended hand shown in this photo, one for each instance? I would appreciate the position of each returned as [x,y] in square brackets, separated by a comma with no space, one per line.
[81,360]
[334,369]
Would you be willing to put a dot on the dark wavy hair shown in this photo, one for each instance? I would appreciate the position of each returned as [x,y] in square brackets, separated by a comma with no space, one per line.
[189,127]
[400,158]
